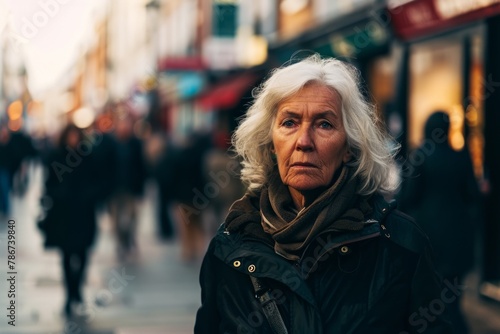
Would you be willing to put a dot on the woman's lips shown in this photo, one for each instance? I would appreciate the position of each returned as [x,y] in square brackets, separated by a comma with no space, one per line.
[303,165]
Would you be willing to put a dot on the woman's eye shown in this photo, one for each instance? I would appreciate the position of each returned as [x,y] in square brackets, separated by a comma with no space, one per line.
[325,125]
[288,123]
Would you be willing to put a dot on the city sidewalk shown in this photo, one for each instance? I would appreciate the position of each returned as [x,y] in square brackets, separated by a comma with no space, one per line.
[483,316]
[155,294]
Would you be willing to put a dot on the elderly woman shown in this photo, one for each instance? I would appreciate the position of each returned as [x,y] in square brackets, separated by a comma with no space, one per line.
[313,247]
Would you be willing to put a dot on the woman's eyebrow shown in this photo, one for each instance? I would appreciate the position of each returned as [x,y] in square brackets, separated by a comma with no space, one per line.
[323,114]
[326,114]
[288,113]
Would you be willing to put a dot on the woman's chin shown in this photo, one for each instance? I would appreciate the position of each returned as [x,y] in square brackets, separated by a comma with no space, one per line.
[306,186]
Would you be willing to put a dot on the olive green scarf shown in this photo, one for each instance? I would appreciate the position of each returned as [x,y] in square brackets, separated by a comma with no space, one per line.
[338,208]
[271,216]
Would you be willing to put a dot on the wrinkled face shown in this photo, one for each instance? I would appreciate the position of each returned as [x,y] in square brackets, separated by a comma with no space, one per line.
[309,138]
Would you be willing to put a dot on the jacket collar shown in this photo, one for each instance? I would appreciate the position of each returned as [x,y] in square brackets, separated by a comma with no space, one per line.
[252,256]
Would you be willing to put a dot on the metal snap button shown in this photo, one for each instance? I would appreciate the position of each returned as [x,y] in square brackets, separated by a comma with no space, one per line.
[344,249]
[251,268]
[236,263]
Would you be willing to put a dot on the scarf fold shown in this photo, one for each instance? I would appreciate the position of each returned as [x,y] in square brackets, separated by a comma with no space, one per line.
[271,214]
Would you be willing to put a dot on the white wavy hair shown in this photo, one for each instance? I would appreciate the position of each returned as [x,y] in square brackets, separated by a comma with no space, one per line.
[372,150]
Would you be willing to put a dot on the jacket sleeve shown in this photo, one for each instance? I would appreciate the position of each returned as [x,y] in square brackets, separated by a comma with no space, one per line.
[207,317]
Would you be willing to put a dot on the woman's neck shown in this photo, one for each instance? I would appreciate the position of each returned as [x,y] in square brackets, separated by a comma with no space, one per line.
[302,199]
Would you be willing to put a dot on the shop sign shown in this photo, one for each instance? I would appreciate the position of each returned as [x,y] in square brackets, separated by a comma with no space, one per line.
[328,9]
[220,53]
[224,18]
[451,8]
[358,40]
[419,17]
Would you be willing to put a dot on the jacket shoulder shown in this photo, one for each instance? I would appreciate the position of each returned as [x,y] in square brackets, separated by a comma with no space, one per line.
[399,227]
[404,231]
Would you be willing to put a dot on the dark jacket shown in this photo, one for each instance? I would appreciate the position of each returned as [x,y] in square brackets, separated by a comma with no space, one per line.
[377,280]
[70,199]
[125,166]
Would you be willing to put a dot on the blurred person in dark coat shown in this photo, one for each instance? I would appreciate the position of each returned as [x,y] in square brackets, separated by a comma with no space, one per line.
[15,148]
[129,177]
[104,155]
[70,200]
[190,192]
[6,155]
[163,171]
[442,194]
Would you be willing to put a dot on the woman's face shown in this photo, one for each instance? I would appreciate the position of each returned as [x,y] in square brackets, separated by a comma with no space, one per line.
[309,138]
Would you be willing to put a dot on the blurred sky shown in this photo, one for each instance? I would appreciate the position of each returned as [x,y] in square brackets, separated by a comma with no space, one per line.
[50,35]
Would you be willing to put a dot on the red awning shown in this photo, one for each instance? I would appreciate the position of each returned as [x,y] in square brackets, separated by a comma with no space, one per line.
[182,64]
[226,94]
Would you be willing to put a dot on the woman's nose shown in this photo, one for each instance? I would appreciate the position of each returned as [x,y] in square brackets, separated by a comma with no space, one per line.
[305,141]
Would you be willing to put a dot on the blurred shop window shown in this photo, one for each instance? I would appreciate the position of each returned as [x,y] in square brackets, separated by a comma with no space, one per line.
[435,84]
[295,17]
[382,81]
[438,81]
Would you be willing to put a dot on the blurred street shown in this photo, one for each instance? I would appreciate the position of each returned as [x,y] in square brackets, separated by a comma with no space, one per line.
[156,294]
[130,106]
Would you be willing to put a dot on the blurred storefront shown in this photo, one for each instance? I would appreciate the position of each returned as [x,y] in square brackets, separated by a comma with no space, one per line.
[205,72]
[227,100]
[447,63]
[180,79]
[350,29]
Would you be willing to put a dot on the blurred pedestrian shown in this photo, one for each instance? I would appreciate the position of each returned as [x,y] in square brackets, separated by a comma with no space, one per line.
[70,199]
[104,156]
[192,195]
[15,148]
[163,169]
[313,247]
[6,166]
[129,176]
[442,194]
